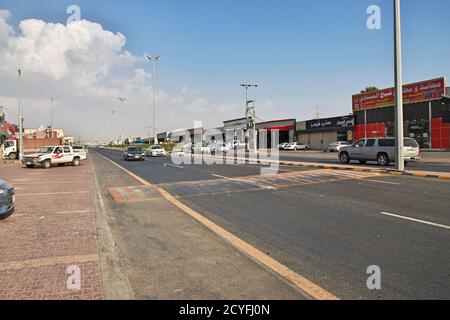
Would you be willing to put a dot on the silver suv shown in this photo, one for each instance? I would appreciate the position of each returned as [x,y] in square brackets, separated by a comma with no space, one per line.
[381,150]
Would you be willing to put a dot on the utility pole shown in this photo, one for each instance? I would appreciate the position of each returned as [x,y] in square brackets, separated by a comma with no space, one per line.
[20,115]
[250,114]
[400,160]
[122,134]
[154,60]
[51,116]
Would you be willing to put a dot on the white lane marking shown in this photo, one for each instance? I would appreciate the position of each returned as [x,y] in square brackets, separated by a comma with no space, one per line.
[172,165]
[383,182]
[416,220]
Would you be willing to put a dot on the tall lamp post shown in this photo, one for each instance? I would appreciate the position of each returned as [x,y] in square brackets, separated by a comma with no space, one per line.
[154,60]
[20,115]
[400,160]
[251,121]
[51,116]
[122,134]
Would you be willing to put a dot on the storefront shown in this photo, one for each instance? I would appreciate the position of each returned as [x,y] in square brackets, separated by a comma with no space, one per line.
[426,113]
[285,128]
[320,133]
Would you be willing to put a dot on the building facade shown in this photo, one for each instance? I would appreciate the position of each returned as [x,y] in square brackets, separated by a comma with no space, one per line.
[426,113]
[320,133]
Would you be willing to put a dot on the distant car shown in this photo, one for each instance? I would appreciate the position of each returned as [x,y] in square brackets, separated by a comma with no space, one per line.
[220,147]
[156,151]
[7,199]
[281,146]
[134,153]
[381,150]
[336,146]
[236,145]
[295,146]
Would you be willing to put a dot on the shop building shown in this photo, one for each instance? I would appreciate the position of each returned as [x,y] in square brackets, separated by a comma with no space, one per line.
[426,113]
[237,128]
[320,133]
[285,128]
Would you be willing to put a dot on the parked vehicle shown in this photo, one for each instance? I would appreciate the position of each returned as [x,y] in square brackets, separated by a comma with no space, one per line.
[238,145]
[11,146]
[81,150]
[283,145]
[201,148]
[336,146]
[134,153]
[7,199]
[220,147]
[381,150]
[295,146]
[54,155]
[156,151]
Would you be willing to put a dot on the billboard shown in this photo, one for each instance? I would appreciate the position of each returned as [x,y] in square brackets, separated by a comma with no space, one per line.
[412,93]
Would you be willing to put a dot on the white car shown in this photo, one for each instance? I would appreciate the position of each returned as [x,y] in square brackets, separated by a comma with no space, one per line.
[220,147]
[336,146]
[281,146]
[156,151]
[81,150]
[295,146]
[53,155]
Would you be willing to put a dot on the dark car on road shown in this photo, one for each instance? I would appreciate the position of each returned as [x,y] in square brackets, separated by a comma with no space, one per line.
[7,199]
[134,153]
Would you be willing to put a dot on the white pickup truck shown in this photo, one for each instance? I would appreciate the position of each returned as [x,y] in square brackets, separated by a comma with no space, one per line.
[55,155]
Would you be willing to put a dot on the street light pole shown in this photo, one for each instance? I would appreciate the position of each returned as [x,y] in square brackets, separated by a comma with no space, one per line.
[251,125]
[122,134]
[400,160]
[20,115]
[51,116]
[154,60]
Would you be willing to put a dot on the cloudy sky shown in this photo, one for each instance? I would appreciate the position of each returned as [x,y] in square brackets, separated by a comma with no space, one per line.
[305,55]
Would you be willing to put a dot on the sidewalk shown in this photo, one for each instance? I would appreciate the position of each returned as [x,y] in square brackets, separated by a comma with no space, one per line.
[52,229]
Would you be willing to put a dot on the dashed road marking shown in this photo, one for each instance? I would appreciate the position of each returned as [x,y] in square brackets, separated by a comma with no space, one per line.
[416,220]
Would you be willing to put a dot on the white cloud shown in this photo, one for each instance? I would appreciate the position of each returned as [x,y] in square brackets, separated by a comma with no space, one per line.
[86,68]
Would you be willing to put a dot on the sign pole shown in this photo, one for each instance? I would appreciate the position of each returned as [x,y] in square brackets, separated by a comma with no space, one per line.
[400,161]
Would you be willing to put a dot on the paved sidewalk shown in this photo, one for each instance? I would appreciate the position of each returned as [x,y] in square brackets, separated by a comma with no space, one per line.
[52,229]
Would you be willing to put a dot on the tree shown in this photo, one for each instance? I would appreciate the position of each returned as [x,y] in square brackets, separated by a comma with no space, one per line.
[370,89]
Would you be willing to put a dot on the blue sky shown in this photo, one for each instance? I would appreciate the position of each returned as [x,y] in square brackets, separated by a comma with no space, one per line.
[301,53]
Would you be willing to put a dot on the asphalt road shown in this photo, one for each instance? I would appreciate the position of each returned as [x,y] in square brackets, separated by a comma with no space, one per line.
[327,225]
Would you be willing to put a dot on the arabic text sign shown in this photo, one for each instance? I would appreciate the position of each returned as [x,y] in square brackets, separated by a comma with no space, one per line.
[412,93]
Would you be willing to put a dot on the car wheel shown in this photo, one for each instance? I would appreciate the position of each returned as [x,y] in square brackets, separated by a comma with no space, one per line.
[12,156]
[383,159]
[344,158]
[76,162]
[46,164]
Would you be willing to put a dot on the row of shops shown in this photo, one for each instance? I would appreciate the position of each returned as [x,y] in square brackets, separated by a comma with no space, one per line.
[426,119]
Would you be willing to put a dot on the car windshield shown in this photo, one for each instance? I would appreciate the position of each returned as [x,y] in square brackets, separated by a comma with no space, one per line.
[157,148]
[45,150]
[134,150]
[9,144]
[77,148]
